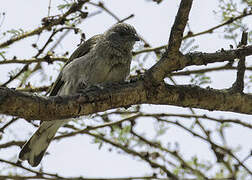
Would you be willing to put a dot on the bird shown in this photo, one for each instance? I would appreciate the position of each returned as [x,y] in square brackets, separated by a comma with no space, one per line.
[104,58]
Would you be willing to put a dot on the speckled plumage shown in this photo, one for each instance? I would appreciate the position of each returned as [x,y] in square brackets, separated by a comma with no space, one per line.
[102,59]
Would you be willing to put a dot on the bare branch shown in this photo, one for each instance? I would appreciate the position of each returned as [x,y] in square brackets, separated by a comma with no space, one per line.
[135,153]
[12,143]
[199,58]
[178,62]
[101,5]
[172,54]
[173,153]
[238,86]
[89,128]
[25,68]
[190,35]
[34,89]
[50,39]
[62,107]
[219,120]
[27,169]
[34,60]
[14,119]
[231,20]
[178,27]
[133,93]
[214,145]
[75,7]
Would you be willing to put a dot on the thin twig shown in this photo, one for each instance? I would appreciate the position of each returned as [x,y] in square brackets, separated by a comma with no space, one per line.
[231,20]
[75,7]
[34,60]
[134,153]
[14,119]
[209,141]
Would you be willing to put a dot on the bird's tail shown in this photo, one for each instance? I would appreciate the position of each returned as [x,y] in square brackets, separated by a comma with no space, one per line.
[34,149]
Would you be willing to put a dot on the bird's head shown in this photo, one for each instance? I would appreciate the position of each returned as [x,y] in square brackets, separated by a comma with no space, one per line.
[122,35]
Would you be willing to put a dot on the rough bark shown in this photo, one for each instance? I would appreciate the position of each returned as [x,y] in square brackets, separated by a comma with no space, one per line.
[30,106]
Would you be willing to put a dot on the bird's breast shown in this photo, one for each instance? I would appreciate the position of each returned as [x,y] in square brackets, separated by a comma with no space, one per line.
[111,69]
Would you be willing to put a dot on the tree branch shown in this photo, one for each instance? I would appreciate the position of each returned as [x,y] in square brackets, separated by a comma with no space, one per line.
[137,154]
[75,7]
[190,35]
[238,85]
[45,108]
[34,60]
[178,62]
[214,145]
[62,107]
[172,54]
[231,20]
[178,27]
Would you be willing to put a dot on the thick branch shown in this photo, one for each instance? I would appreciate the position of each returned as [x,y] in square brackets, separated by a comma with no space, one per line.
[178,61]
[34,107]
[178,27]
[238,85]
[158,71]
[47,108]
[199,58]
[44,108]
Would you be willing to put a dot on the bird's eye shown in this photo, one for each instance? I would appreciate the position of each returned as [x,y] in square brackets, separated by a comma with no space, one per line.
[122,33]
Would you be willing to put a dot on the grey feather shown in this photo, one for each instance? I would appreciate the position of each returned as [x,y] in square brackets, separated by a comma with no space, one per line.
[104,58]
[83,49]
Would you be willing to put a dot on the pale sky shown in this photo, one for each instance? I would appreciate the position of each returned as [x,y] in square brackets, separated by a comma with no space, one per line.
[78,156]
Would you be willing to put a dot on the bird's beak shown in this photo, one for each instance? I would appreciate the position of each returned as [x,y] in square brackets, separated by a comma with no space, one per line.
[136,37]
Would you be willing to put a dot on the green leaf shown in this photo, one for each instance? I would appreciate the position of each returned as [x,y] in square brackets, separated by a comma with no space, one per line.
[64,6]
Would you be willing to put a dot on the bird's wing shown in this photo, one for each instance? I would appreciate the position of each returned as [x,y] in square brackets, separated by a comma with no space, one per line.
[83,49]
[56,85]
[34,149]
